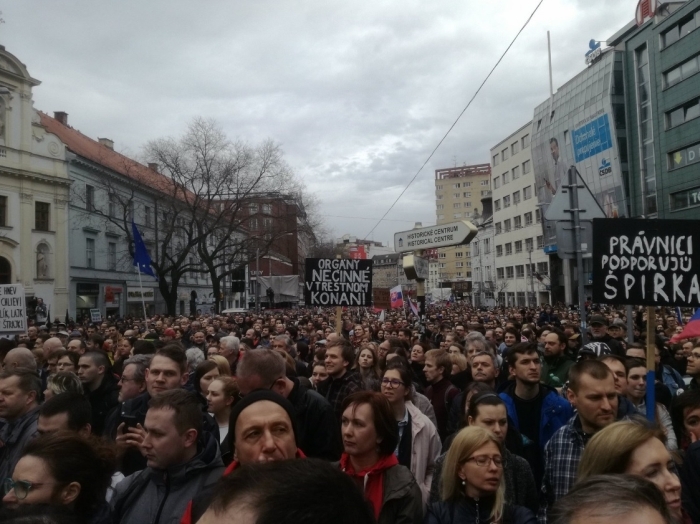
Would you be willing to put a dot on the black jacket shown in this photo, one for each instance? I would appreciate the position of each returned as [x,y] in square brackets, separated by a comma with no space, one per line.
[102,401]
[689,474]
[465,511]
[318,432]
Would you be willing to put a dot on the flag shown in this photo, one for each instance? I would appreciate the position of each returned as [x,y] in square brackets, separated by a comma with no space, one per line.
[381,316]
[396,297]
[414,307]
[679,317]
[691,329]
[141,257]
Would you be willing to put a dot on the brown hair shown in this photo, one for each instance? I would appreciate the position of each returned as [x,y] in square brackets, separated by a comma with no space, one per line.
[593,368]
[185,405]
[383,417]
[441,359]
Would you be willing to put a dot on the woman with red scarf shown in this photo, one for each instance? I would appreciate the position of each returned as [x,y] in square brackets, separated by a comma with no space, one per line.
[370,435]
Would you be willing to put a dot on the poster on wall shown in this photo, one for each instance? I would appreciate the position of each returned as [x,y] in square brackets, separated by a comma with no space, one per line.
[13,312]
[338,282]
[646,262]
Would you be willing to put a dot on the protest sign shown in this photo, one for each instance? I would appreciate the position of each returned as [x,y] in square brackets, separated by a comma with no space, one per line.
[13,312]
[382,298]
[646,262]
[338,282]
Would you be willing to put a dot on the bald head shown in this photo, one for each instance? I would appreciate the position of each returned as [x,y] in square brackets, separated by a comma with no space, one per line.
[19,358]
[51,345]
[332,337]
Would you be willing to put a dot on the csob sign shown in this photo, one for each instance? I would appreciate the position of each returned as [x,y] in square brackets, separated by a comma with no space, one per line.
[646,262]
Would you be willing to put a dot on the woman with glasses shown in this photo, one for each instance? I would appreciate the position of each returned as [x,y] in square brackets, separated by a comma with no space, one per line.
[419,443]
[66,361]
[635,449]
[63,470]
[473,486]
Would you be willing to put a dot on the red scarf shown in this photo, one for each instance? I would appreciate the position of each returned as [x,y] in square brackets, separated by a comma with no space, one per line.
[373,478]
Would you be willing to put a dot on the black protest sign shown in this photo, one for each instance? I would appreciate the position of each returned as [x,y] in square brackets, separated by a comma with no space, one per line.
[646,262]
[338,282]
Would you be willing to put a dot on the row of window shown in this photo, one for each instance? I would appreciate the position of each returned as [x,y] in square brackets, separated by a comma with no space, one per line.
[527,195]
[684,27]
[458,254]
[516,222]
[515,147]
[115,206]
[90,254]
[510,272]
[513,174]
[683,114]
[681,72]
[519,246]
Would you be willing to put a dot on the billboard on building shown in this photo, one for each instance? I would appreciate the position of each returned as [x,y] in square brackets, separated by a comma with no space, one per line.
[578,129]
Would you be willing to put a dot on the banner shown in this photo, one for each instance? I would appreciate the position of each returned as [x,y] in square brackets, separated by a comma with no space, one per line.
[646,262]
[338,282]
[13,312]
[381,298]
[396,297]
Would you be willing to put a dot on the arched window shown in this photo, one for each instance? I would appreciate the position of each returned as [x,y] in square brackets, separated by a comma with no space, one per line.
[5,271]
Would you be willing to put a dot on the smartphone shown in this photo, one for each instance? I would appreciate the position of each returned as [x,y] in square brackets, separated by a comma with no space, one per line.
[127,417]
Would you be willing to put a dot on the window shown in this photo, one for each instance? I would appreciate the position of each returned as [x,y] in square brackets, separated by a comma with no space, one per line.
[509,249]
[505,178]
[685,199]
[89,198]
[253,208]
[516,172]
[439,187]
[253,223]
[459,254]
[476,247]
[112,256]
[267,209]
[441,217]
[506,201]
[498,228]
[525,141]
[540,242]
[526,167]
[645,127]
[518,246]
[520,271]
[499,273]
[455,195]
[506,225]
[147,213]
[537,216]
[509,272]
[528,218]
[467,194]
[504,154]
[497,205]
[3,211]
[440,197]
[484,182]
[267,223]
[528,244]
[131,210]
[514,148]
[442,265]
[467,204]
[193,269]
[681,29]
[682,114]
[457,215]
[90,253]
[456,205]
[487,246]
[455,186]
[459,274]
[517,222]
[42,215]
[543,268]
[440,207]
[459,264]
[466,184]
[496,182]
[680,72]
[499,251]
[527,193]
[485,192]
[442,255]
[516,198]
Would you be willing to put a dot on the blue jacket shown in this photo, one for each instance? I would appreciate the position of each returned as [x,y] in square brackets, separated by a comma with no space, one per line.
[556,412]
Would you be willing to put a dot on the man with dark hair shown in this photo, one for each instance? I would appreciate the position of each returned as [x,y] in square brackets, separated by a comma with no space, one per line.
[19,409]
[318,432]
[612,499]
[68,411]
[534,409]
[592,394]
[555,371]
[100,386]
[342,380]
[601,342]
[182,460]
[262,493]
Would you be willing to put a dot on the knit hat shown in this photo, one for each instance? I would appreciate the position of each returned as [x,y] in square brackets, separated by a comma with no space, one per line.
[257,396]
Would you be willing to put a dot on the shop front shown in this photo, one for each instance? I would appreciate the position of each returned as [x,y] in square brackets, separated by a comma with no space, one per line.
[87,297]
[113,300]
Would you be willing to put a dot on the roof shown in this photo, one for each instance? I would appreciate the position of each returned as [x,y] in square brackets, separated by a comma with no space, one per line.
[92,150]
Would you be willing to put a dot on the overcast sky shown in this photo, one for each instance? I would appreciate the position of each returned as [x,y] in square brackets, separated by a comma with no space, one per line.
[358,93]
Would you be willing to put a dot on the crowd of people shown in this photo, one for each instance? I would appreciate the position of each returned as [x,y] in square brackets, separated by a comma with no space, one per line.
[471,416]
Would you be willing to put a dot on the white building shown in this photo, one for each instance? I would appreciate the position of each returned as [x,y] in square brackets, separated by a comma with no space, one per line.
[362,249]
[34,195]
[482,251]
[518,239]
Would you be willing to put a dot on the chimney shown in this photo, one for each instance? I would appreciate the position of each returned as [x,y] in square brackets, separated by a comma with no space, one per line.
[153,166]
[61,116]
[107,143]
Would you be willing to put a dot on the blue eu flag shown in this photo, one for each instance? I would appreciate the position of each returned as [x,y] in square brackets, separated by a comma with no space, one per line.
[141,257]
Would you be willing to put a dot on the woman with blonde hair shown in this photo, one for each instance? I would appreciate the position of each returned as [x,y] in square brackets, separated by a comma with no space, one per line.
[222,364]
[473,487]
[634,448]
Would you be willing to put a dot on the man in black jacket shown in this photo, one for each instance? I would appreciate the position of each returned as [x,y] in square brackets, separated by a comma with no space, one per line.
[101,388]
[318,433]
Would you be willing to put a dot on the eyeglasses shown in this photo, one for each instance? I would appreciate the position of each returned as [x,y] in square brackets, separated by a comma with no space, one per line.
[483,460]
[693,356]
[392,383]
[21,487]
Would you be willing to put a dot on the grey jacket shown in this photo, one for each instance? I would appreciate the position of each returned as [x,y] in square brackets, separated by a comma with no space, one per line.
[13,437]
[153,496]
[403,503]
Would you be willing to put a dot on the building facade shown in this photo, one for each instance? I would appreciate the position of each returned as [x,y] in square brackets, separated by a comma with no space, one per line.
[34,195]
[518,240]
[458,194]
[361,249]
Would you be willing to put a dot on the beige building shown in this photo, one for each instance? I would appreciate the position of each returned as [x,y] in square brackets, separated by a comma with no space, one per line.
[458,194]
[520,259]
[34,189]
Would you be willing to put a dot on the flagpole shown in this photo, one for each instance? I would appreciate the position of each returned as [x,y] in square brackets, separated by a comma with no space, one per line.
[143,302]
